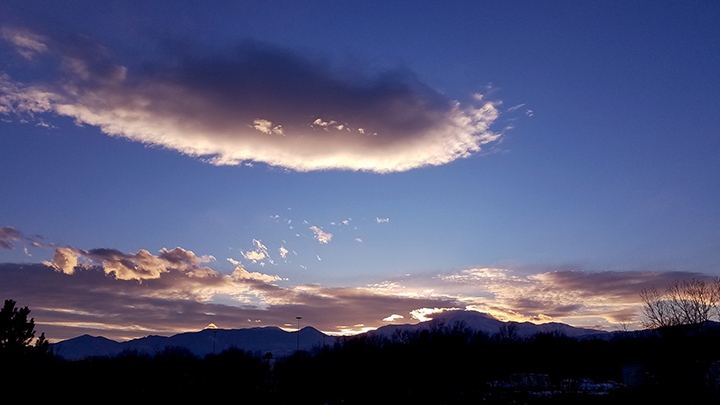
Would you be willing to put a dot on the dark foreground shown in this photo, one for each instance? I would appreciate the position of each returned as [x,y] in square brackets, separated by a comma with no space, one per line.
[444,366]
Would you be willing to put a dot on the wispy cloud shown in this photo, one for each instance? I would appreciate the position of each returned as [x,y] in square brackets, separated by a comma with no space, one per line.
[513,108]
[25,42]
[252,103]
[10,236]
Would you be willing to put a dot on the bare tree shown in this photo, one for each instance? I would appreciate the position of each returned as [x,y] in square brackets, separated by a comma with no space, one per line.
[686,302]
[623,323]
[656,309]
[692,301]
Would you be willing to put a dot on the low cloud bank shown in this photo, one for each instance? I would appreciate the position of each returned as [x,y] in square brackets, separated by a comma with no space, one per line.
[122,295]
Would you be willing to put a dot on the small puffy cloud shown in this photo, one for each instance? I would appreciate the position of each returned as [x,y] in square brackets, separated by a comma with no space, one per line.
[254,103]
[382,220]
[393,318]
[259,253]
[322,237]
[283,252]
[267,127]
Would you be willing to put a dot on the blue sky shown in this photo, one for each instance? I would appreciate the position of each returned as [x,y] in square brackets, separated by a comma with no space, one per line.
[467,154]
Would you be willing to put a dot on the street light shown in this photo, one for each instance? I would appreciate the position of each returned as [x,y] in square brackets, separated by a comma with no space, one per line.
[298,333]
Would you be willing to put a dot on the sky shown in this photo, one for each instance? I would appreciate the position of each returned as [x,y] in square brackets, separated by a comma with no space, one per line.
[174,165]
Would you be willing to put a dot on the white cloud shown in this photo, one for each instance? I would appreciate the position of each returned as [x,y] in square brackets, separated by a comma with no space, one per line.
[421,313]
[267,127]
[259,253]
[393,318]
[382,220]
[64,260]
[241,273]
[257,104]
[322,237]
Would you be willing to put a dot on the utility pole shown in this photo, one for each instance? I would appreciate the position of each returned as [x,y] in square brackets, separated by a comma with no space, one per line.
[298,333]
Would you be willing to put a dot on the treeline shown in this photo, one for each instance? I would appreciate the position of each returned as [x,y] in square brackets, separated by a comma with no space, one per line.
[456,365]
[444,365]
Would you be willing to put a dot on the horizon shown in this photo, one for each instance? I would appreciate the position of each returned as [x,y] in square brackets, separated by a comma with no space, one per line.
[337,334]
[175,165]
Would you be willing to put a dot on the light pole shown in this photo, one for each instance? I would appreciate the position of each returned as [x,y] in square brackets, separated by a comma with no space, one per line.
[298,333]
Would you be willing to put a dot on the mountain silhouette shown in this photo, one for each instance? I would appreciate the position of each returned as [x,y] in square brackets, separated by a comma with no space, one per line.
[281,343]
[486,323]
[265,339]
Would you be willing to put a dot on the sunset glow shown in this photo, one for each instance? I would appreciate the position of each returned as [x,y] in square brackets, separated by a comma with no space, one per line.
[536,162]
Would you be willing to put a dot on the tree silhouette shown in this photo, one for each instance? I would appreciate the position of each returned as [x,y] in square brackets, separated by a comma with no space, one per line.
[17,333]
[684,303]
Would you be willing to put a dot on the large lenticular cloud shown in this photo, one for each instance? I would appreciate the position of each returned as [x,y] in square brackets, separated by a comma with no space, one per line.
[253,103]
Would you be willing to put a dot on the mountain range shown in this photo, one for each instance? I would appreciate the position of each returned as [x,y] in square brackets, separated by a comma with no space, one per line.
[281,343]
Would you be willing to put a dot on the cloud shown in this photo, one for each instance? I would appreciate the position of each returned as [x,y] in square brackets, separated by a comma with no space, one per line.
[9,236]
[581,298]
[557,295]
[424,314]
[252,103]
[65,260]
[241,273]
[513,108]
[126,295]
[259,253]
[322,237]
[93,301]
[134,294]
[382,220]
[128,266]
[283,252]
[26,43]
[123,295]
